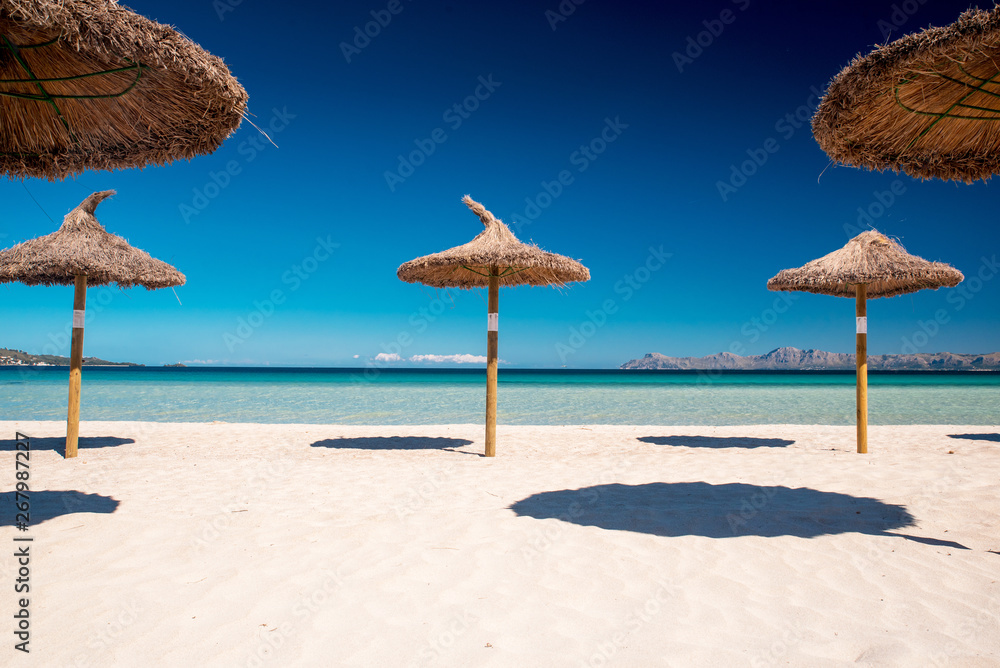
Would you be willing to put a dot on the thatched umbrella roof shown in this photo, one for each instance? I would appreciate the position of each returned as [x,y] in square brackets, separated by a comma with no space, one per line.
[870,258]
[88,84]
[468,265]
[82,247]
[927,104]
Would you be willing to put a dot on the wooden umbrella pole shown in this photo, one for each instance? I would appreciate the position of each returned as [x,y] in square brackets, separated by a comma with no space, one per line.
[76,367]
[491,363]
[862,363]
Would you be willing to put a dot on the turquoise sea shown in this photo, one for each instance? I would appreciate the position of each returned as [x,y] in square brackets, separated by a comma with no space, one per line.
[539,397]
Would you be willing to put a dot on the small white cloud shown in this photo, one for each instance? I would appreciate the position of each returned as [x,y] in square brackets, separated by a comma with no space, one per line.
[201,362]
[450,359]
[357,356]
[388,357]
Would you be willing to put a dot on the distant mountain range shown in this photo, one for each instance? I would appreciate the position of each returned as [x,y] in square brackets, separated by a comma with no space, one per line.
[815,360]
[21,358]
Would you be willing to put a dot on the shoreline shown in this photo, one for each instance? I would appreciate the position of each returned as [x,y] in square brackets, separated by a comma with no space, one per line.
[361,370]
[260,544]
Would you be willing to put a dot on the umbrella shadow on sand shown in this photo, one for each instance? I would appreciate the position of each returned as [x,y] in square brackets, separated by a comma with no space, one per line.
[59,443]
[977,437]
[721,511]
[49,504]
[398,443]
[717,441]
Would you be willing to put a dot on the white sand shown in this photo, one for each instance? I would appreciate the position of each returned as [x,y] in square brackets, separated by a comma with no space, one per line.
[245,545]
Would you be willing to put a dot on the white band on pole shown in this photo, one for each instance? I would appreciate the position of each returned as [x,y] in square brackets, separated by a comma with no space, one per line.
[493,324]
[78,317]
[862,325]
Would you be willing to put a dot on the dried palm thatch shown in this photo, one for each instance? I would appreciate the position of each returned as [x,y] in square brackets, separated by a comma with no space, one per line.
[496,247]
[82,247]
[927,104]
[872,259]
[88,84]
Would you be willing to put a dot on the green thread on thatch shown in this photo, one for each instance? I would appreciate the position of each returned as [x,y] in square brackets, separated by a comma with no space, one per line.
[50,98]
[971,76]
[506,272]
[974,89]
[34,46]
[980,118]
[947,112]
[74,78]
[477,273]
[46,98]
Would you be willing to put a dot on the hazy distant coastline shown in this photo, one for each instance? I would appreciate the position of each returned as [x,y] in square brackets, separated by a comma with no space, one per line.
[817,360]
[21,358]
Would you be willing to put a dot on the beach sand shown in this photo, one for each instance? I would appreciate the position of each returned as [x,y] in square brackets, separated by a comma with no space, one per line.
[286,545]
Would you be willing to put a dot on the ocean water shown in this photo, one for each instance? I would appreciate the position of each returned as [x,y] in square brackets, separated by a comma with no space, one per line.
[536,397]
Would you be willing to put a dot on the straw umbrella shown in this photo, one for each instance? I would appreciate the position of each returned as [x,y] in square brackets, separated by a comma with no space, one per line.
[87,84]
[870,266]
[494,258]
[927,104]
[83,252]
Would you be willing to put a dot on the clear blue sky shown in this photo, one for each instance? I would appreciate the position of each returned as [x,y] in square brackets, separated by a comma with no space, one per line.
[551,94]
